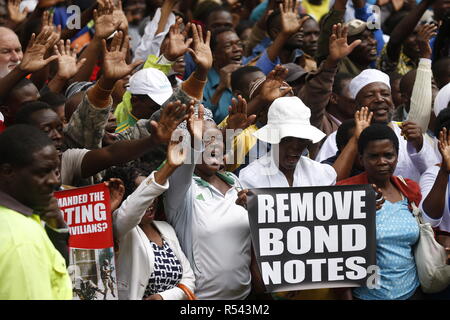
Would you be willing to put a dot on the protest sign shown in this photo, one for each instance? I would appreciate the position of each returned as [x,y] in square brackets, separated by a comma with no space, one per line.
[91,248]
[313,237]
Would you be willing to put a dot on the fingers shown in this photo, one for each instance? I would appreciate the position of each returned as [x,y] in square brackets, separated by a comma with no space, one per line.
[116,42]
[201,112]
[81,63]
[195,34]
[303,20]
[233,108]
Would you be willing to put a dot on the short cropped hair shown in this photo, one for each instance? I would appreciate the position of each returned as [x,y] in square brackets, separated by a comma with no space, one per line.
[342,134]
[19,142]
[216,33]
[53,99]
[238,75]
[442,121]
[23,116]
[374,132]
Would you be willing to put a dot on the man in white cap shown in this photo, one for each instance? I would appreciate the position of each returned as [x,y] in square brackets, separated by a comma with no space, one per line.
[149,89]
[372,88]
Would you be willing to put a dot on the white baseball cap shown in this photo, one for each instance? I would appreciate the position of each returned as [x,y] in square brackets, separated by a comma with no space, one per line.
[152,82]
[288,117]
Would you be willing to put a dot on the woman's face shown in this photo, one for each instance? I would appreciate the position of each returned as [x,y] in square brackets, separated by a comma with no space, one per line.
[149,215]
[290,151]
[379,159]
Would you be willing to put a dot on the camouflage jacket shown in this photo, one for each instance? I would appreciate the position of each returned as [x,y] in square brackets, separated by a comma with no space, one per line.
[87,125]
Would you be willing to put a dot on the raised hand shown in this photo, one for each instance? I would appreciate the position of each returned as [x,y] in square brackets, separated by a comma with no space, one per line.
[362,120]
[274,86]
[47,21]
[444,148]
[171,116]
[338,47]
[413,133]
[120,18]
[237,115]
[116,192]
[105,22]
[178,45]
[201,51]
[15,15]
[115,66]
[290,23]
[195,124]
[176,154]
[33,57]
[67,60]
[225,74]
[424,34]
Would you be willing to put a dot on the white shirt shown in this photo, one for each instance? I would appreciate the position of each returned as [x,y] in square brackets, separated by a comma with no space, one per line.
[411,164]
[214,233]
[426,184]
[263,173]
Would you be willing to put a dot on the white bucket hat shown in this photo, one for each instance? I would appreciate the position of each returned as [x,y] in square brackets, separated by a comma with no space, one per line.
[288,117]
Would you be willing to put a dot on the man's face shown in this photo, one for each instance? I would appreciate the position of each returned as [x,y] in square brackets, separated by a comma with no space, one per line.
[366,52]
[311,33]
[344,101]
[411,47]
[396,94]
[377,97]
[48,121]
[290,151]
[228,50]
[219,19]
[135,11]
[17,98]
[143,106]
[249,78]
[34,184]
[10,51]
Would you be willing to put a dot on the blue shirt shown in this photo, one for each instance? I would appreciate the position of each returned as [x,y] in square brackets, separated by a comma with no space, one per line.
[397,232]
[364,14]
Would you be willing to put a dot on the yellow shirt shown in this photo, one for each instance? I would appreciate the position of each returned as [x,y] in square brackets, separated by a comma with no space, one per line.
[241,145]
[317,12]
[30,266]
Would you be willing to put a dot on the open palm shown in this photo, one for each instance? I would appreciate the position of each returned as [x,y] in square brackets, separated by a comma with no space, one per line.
[201,52]
[339,48]
[444,148]
[114,60]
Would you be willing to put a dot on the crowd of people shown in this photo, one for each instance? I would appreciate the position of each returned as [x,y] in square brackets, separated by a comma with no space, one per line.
[183,107]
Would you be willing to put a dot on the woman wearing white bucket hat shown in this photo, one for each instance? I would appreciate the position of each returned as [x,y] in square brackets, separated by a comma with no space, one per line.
[289,132]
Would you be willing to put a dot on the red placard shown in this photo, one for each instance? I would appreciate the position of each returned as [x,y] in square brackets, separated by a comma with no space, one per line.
[87,213]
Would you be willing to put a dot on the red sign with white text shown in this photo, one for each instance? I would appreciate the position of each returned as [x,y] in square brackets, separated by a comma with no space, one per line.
[87,213]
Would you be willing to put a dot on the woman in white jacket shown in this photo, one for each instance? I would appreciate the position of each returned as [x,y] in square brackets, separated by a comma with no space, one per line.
[150,263]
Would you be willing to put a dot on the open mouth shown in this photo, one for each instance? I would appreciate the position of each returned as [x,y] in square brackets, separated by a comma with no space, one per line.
[292,159]
[237,59]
